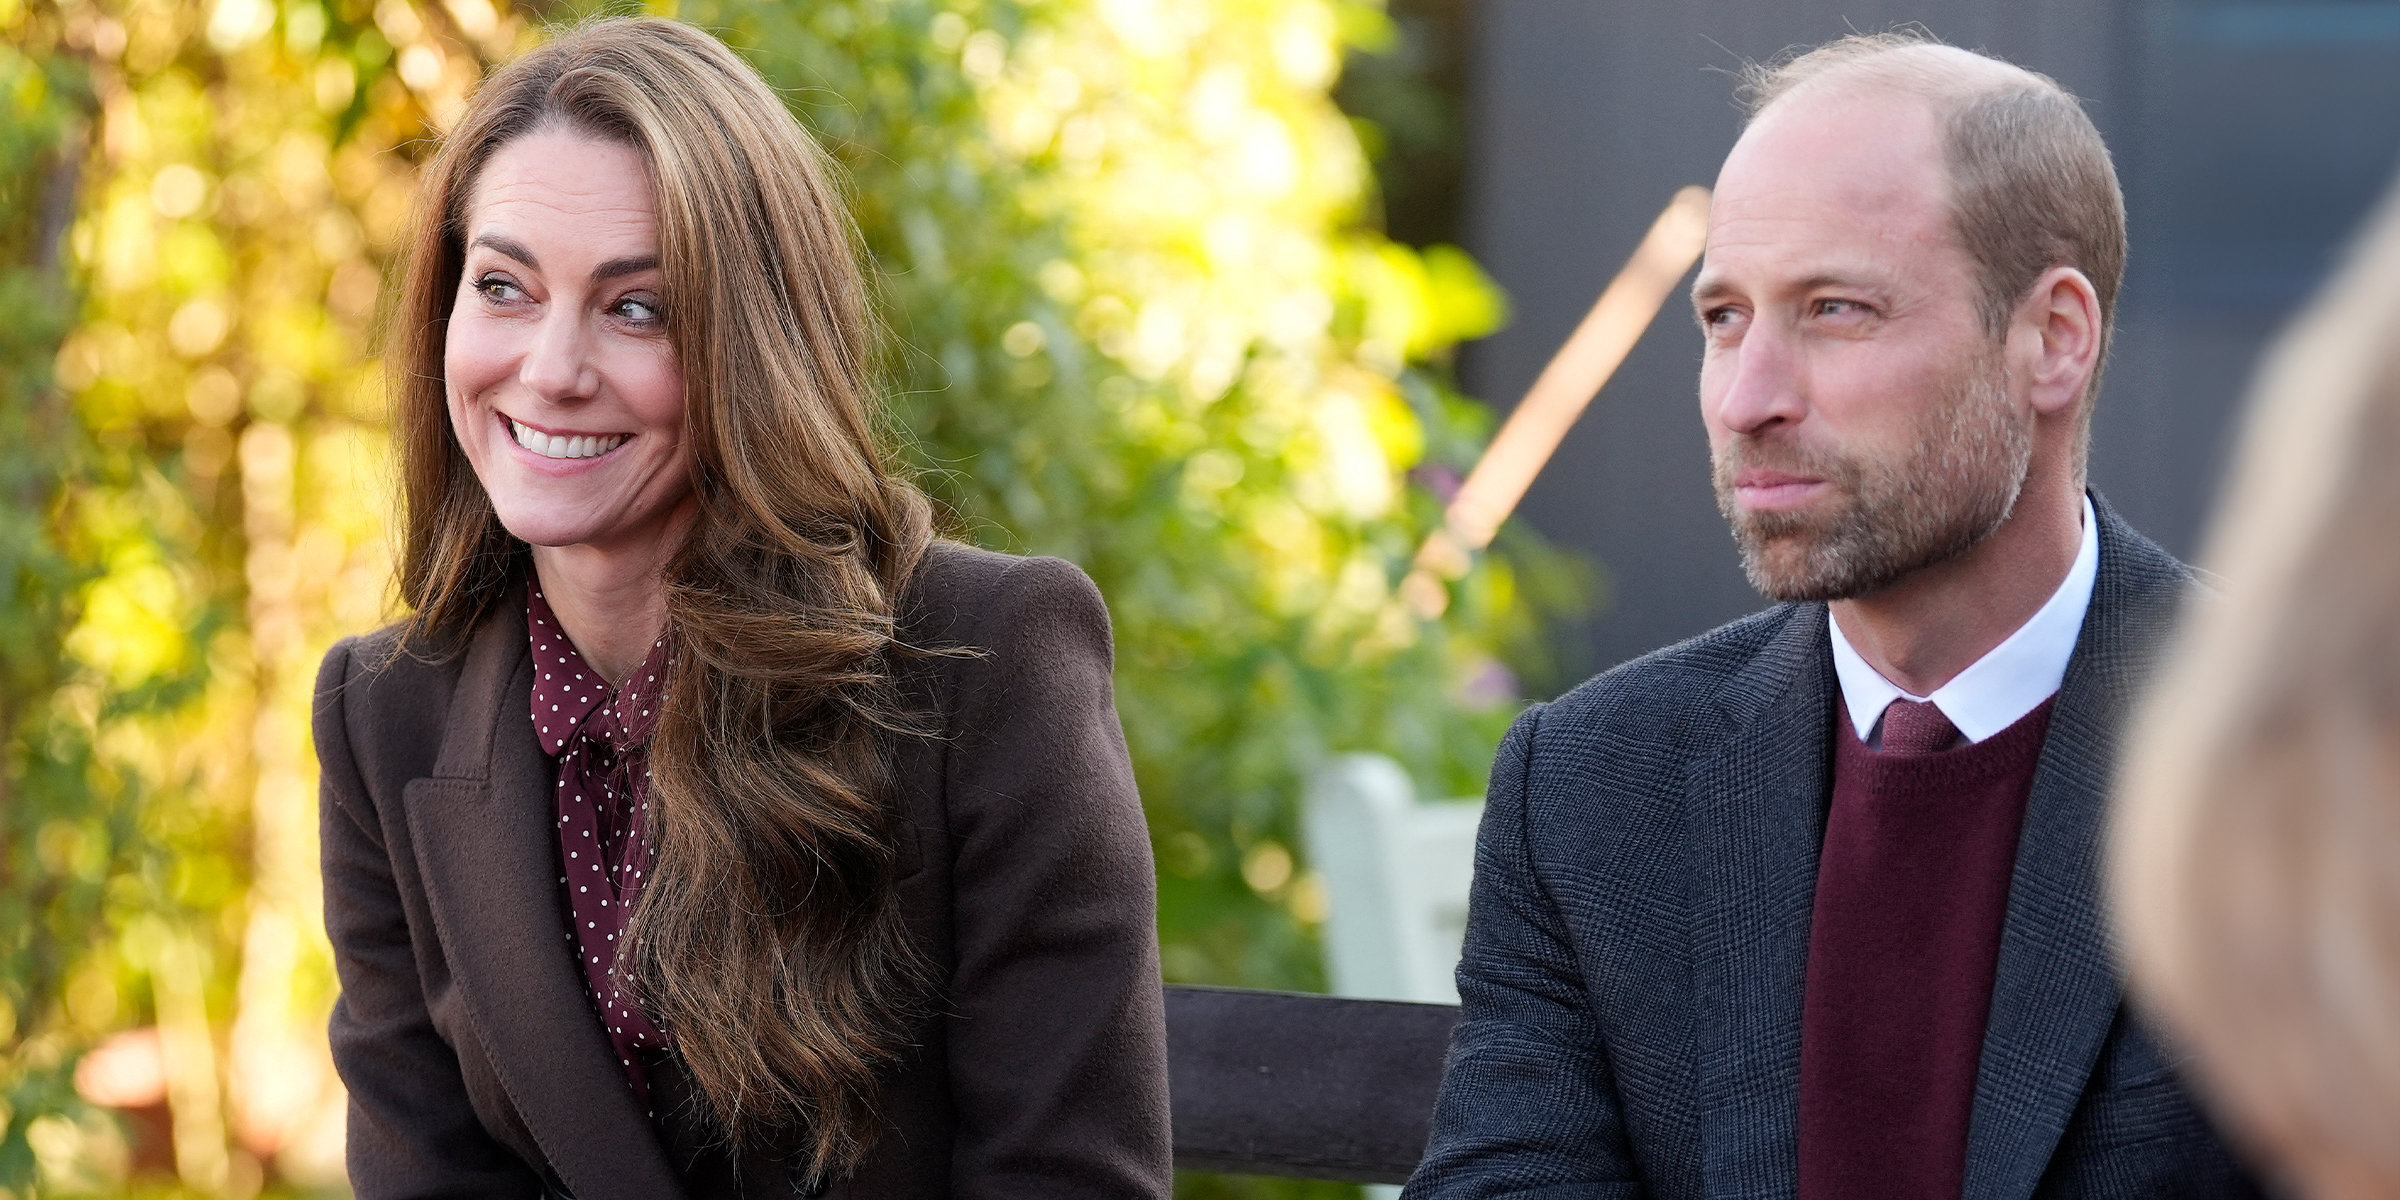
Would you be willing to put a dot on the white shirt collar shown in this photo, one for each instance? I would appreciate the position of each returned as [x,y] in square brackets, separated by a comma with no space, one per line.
[2012,679]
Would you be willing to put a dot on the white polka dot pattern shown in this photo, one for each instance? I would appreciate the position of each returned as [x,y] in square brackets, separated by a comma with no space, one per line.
[599,737]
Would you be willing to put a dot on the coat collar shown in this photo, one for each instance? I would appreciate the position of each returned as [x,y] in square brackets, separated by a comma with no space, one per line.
[2057,990]
[1755,804]
[488,857]
[1756,807]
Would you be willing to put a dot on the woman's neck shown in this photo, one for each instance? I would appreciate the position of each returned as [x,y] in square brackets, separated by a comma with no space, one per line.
[613,606]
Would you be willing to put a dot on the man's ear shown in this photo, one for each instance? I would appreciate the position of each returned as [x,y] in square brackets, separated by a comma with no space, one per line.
[2059,322]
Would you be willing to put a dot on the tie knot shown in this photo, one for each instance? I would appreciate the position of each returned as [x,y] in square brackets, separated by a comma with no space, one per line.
[1916,727]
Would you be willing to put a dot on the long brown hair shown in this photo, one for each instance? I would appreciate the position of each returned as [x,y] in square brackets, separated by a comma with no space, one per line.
[768,940]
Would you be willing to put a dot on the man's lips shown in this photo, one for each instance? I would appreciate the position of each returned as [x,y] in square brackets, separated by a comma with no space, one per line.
[1764,489]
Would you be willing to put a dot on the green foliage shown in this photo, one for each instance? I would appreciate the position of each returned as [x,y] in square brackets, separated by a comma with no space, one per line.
[53,859]
[192,201]
[1139,323]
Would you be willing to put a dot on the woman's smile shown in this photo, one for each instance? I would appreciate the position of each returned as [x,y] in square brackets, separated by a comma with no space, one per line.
[559,446]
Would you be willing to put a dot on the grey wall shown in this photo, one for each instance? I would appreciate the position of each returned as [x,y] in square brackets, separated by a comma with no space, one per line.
[2249,136]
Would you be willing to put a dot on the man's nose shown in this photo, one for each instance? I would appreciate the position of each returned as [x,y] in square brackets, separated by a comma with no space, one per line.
[558,365]
[1760,382]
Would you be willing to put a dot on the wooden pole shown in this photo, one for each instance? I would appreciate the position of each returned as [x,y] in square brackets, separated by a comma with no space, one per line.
[1566,386]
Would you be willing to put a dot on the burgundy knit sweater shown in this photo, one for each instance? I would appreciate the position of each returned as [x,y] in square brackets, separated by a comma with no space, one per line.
[1912,891]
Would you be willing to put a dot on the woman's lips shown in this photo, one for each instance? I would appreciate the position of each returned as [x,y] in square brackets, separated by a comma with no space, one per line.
[561,446]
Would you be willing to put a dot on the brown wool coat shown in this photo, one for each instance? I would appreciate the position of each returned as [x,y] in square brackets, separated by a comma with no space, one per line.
[477,1066]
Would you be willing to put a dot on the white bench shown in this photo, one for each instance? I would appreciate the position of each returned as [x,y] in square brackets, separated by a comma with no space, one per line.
[1396,872]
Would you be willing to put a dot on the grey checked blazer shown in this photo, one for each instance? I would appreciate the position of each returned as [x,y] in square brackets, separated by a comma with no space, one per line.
[1638,935]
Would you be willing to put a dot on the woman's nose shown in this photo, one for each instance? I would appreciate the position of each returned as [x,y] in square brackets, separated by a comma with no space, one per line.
[557,366]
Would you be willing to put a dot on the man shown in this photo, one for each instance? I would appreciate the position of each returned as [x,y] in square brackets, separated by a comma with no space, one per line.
[1808,906]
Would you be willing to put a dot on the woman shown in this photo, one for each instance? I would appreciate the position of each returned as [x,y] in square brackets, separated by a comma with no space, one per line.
[710,828]
[2257,850]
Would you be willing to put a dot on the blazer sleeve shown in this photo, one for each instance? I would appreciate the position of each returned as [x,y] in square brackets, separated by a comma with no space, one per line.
[1056,1030]
[412,1130]
[1527,1106]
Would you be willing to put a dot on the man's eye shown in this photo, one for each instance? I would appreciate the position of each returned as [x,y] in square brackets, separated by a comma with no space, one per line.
[1840,308]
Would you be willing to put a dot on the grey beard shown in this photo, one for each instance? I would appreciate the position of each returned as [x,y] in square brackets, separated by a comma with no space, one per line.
[1951,490]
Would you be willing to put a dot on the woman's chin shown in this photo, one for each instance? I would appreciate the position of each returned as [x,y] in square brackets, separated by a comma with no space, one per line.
[638,540]
[548,531]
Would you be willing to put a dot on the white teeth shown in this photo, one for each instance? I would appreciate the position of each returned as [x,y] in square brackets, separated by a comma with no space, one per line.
[557,446]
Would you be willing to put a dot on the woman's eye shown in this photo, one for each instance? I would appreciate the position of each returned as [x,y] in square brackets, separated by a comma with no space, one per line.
[639,311]
[499,287]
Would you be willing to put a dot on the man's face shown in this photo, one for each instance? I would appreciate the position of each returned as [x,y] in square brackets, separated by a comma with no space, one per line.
[1862,423]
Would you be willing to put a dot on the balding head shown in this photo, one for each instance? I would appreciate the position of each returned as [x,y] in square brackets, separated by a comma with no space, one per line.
[2031,184]
[1898,61]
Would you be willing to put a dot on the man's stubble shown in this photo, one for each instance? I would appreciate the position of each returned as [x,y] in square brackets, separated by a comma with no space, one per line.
[1949,490]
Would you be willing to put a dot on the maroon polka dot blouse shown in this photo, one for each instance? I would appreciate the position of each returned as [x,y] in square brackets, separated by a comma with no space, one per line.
[600,739]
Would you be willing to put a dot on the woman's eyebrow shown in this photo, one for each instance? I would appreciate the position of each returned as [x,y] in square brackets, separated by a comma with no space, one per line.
[622,266]
[611,269]
[512,249]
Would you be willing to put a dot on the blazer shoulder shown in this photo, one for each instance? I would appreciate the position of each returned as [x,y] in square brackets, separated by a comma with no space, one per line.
[1660,686]
[2133,561]
[346,677]
[961,593]
[390,702]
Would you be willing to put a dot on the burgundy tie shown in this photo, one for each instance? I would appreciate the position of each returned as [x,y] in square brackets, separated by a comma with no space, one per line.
[1916,727]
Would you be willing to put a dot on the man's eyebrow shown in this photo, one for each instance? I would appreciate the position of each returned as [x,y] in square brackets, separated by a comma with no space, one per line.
[512,249]
[1835,279]
[1709,286]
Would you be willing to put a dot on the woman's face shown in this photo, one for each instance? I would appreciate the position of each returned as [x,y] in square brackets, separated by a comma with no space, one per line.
[563,388]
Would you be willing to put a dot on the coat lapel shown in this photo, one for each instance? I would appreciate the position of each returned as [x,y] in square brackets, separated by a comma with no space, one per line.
[1755,802]
[488,857]
[2056,991]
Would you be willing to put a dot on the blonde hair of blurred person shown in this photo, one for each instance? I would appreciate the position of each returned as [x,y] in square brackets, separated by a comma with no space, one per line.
[2257,846]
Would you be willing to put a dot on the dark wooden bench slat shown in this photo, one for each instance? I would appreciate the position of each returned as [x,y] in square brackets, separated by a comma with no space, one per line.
[1304,1086]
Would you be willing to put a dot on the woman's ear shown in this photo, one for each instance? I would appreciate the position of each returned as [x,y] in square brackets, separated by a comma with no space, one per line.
[2060,321]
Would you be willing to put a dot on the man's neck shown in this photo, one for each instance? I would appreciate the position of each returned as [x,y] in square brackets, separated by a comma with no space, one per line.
[1921,632]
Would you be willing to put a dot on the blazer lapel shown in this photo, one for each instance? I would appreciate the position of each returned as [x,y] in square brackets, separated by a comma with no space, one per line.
[2056,991]
[487,854]
[1755,802]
